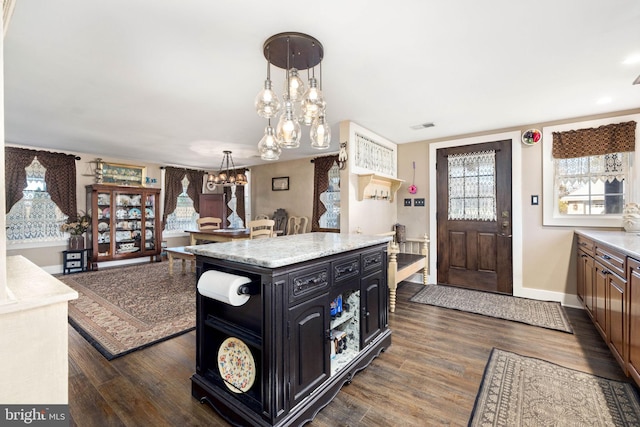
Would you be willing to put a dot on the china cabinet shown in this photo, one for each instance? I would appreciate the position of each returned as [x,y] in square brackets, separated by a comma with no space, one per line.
[125,222]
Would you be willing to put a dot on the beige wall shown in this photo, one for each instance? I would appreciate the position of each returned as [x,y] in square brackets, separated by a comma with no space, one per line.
[297,201]
[548,260]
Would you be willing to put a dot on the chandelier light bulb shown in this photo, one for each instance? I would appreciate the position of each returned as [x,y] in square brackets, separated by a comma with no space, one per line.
[267,103]
[320,133]
[288,129]
[268,146]
[296,86]
[313,102]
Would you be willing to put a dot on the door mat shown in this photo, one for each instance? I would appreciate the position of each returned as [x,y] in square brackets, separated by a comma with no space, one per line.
[546,314]
[524,391]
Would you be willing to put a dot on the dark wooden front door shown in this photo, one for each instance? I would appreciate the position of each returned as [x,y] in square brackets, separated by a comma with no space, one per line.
[473,219]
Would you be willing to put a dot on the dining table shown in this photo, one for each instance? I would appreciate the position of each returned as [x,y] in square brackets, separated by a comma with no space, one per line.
[221,235]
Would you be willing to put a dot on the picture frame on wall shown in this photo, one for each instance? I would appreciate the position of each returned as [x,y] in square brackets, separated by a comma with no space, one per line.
[280,183]
[120,174]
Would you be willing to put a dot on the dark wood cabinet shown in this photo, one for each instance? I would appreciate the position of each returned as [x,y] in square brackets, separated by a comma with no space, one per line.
[310,326]
[606,278]
[213,205]
[309,347]
[125,222]
[633,334]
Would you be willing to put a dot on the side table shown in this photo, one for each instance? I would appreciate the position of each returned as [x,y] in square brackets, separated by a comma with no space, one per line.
[75,261]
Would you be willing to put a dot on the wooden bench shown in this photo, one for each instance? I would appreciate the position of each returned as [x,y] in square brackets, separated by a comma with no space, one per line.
[405,259]
[179,253]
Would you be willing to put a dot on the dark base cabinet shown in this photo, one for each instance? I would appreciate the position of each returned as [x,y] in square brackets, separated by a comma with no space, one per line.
[308,327]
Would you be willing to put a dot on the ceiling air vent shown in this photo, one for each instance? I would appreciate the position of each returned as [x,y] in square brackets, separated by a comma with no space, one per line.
[422,126]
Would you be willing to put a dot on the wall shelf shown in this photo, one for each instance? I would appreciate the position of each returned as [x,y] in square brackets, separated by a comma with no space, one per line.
[377,187]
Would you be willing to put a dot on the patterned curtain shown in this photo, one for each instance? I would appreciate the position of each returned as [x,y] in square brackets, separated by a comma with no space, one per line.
[15,176]
[172,189]
[320,185]
[195,187]
[61,184]
[240,208]
[613,138]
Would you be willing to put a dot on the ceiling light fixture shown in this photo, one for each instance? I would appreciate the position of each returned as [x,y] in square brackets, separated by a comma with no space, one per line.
[227,174]
[293,52]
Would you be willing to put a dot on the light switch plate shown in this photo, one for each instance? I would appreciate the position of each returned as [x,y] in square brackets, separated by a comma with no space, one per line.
[418,202]
[407,202]
[534,199]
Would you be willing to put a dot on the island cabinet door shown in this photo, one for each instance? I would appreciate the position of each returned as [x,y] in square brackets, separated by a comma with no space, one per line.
[372,306]
[308,326]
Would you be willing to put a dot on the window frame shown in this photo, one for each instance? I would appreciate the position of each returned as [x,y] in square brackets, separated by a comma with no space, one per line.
[550,215]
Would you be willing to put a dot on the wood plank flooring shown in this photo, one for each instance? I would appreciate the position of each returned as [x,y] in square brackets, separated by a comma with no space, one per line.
[429,376]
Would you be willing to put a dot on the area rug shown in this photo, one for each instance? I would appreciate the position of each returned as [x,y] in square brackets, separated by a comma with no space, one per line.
[546,314]
[120,310]
[523,391]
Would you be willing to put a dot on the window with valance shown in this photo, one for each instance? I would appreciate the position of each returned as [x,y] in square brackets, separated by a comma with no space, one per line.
[591,171]
[181,201]
[38,200]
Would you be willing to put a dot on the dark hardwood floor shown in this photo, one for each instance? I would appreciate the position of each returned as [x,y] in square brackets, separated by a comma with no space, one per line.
[429,376]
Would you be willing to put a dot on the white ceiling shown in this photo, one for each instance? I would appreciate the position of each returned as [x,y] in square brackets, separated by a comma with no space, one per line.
[173,82]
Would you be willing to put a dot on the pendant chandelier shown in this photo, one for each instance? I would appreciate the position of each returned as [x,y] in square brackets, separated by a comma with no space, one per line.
[301,104]
[227,174]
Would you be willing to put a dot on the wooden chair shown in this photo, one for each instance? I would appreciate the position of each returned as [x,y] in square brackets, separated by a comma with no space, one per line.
[209,223]
[261,228]
[297,225]
[280,217]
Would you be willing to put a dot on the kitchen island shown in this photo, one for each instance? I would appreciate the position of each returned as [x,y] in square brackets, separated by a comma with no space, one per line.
[312,312]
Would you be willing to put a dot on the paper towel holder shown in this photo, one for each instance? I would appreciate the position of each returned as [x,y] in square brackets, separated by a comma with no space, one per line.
[250,288]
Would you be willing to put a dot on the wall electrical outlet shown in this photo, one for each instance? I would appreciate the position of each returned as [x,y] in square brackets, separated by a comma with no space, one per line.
[407,202]
[418,202]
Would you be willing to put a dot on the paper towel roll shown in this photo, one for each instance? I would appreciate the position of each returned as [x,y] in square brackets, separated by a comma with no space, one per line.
[223,287]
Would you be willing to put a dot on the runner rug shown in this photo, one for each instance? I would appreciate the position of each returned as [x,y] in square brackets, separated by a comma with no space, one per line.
[120,310]
[523,391]
[546,314]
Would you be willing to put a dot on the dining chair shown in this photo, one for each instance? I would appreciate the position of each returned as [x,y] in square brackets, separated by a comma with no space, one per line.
[209,223]
[297,225]
[262,216]
[261,228]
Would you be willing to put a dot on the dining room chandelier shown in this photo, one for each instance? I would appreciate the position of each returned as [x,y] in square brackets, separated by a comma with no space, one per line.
[227,174]
[293,52]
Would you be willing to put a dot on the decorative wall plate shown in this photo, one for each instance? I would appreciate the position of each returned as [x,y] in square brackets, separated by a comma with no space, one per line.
[236,365]
[531,136]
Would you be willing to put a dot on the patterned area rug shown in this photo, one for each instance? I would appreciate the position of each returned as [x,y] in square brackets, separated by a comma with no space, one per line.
[546,314]
[523,391]
[120,310]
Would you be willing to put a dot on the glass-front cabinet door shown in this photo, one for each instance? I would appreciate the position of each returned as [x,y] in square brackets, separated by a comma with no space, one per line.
[128,223]
[103,216]
[149,222]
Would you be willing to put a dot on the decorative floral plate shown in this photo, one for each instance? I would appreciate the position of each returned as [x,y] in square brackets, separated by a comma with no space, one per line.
[236,365]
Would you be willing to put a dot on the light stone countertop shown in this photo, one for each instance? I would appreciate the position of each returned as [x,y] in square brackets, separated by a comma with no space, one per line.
[30,287]
[286,250]
[621,240]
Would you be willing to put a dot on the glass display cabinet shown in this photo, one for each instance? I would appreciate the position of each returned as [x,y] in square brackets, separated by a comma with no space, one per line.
[124,222]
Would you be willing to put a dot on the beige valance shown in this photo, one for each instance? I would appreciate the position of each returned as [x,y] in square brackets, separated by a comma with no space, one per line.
[613,138]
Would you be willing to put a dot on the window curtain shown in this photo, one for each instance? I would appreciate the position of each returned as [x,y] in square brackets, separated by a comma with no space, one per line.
[173,188]
[60,177]
[613,138]
[320,185]
[240,208]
